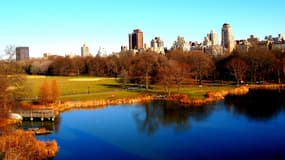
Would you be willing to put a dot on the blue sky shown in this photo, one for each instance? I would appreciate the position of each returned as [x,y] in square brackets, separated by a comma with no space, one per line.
[62,26]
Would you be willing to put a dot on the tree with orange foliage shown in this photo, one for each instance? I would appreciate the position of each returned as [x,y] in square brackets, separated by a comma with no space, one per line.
[49,94]
[55,92]
[45,92]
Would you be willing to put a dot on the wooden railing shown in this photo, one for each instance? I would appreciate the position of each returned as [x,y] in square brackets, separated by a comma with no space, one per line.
[40,113]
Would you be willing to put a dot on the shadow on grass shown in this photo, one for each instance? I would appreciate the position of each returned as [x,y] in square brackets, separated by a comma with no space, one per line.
[112,85]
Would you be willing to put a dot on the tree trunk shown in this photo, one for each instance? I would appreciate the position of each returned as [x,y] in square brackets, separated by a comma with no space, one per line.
[146,81]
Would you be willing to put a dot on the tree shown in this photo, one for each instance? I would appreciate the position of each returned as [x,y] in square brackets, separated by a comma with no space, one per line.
[202,65]
[55,92]
[179,71]
[11,80]
[238,68]
[142,66]
[112,65]
[123,78]
[164,76]
[279,64]
[172,73]
[260,63]
[10,52]
[45,93]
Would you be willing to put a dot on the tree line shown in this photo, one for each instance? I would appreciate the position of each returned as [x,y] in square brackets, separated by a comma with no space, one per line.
[254,65]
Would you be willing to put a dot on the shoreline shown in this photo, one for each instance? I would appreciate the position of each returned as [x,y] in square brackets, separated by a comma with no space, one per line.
[181,99]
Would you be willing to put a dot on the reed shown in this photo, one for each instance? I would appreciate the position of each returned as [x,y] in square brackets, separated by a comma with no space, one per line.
[211,96]
[19,144]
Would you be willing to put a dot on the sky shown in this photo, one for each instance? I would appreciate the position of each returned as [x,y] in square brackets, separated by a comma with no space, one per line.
[62,26]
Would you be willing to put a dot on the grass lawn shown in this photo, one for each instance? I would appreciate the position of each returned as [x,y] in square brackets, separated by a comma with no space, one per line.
[72,85]
[104,95]
[88,88]
[195,91]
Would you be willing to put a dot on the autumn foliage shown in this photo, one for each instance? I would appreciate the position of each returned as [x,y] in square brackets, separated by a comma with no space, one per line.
[55,92]
[49,94]
[23,145]
[142,68]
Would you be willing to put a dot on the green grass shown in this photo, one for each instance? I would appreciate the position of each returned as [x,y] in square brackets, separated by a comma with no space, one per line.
[200,92]
[76,88]
[72,85]
[109,95]
[194,91]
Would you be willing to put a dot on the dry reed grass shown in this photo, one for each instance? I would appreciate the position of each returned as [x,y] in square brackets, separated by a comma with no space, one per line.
[22,145]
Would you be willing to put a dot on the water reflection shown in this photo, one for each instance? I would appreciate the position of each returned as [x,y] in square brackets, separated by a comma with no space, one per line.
[162,113]
[258,104]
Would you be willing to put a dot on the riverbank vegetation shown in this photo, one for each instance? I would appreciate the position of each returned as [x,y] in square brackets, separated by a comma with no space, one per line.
[177,72]
[19,144]
[127,75]
[189,78]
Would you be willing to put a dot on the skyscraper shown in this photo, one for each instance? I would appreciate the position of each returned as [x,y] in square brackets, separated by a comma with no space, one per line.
[136,39]
[227,37]
[22,53]
[157,45]
[85,51]
[211,39]
[214,37]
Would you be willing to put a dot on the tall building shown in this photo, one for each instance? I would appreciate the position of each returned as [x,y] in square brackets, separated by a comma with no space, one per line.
[157,45]
[214,37]
[180,44]
[22,53]
[211,39]
[136,39]
[227,38]
[85,51]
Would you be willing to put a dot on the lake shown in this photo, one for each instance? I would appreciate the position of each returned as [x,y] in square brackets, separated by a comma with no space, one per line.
[243,127]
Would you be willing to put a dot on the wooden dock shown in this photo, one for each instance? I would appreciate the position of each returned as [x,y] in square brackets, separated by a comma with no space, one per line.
[42,114]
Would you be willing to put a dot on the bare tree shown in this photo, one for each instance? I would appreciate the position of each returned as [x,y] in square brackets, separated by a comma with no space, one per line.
[172,73]
[165,77]
[123,78]
[10,52]
[238,68]
[142,66]
[260,63]
[11,80]
[202,65]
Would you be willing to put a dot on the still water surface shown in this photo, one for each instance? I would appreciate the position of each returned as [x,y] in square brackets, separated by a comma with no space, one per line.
[248,127]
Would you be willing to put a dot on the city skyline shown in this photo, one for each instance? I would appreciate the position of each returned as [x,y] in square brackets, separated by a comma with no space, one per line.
[61,27]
